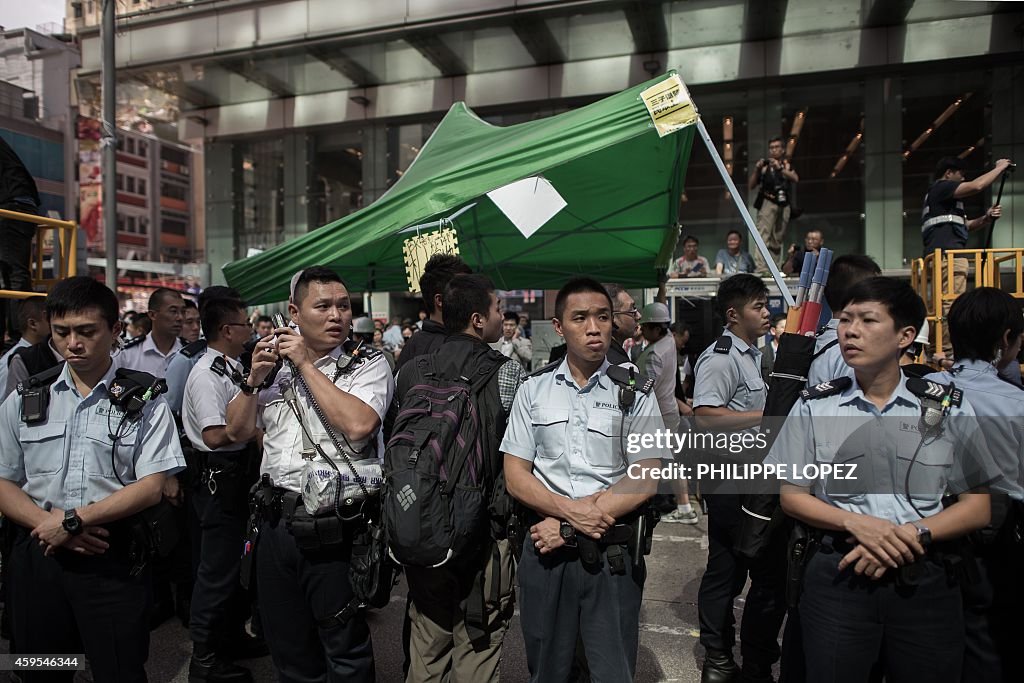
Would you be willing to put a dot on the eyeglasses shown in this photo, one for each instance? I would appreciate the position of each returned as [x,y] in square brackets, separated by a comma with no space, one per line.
[633,313]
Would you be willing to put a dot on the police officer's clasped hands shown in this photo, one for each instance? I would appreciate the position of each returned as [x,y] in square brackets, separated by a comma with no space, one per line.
[881,545]
[584,515]
[51,535]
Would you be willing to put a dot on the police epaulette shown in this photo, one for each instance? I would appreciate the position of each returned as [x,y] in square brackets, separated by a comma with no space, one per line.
[193,349]
[926,388]
[41,379]
[829,388]
[134,341]
[723,344]
[550,367]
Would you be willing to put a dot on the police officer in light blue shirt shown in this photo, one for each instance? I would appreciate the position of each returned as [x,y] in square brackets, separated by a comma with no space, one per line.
[72,490]
[844,272]
[878,595]
[985,327]
[568,460]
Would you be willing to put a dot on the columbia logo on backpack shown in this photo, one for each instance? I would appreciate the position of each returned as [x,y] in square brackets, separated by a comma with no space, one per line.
[440,471]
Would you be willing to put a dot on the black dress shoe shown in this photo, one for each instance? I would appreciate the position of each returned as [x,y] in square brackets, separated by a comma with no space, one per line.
[216,670]
[244,646]
[719,667]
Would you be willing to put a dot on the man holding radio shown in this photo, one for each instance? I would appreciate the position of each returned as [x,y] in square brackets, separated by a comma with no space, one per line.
[330,391]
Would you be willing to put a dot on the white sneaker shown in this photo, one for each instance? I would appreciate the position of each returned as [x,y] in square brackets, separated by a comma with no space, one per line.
[681,517]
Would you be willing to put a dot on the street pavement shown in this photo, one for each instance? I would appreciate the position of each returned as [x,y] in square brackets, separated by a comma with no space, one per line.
[669,650]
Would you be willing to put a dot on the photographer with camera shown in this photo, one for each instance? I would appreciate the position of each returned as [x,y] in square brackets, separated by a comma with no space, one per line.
[322,414]
[777,180]
[85,447]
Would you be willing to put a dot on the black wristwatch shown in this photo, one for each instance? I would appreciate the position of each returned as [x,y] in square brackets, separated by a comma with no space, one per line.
[924,535]
[247,388]
[72,522]
[568,534]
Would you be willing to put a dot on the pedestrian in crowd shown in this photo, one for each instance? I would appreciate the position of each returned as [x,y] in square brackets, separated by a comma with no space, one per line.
[309,613]
[79,582]
[18,192]
[421,315]
[363,331]
[690,264]
[684,377]
[987,329]
[140,326]
[771,348]
[814,240]
[153,352]
[579,575]
[944,223]
[624,323]
[659,361]
[880,594]
[846,271]
[220,606]
[729,395]
[775,182]
[34,328]
[525,329]
[450,637]
[393,334]
[437,273]
[264,326]
[733,258]
[190,326]
[407,333]
[512,344]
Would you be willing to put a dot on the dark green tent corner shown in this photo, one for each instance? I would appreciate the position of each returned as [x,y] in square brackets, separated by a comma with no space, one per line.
[622,184]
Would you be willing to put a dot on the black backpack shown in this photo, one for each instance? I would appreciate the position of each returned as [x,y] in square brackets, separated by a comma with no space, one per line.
[440,468]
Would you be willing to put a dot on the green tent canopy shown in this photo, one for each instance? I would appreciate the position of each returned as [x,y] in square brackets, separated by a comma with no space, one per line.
[621,182]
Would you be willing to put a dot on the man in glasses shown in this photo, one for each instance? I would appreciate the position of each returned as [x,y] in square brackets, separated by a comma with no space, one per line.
[624,319]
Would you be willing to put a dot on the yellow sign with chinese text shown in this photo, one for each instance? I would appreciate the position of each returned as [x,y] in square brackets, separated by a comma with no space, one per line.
[420,248]
[670,105]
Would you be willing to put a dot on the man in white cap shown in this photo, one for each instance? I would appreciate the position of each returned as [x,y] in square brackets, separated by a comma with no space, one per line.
[660,361]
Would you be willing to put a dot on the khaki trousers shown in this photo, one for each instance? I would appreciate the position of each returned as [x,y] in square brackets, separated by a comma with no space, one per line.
[772,221]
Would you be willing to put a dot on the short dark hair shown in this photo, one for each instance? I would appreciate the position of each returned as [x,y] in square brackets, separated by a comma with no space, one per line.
[690,238]
[948,164]
[739,290]
[776,319]
[32,307]
[465,295]
[143,320]
[81,293]
[216,313]
[845,272]
[264,319]
[978,320]
[159,295]
[776,139]
[613,290]
[511,315]
[734,232]
[190,304]
[437,273]
[903,303]
[214,291]
[580,285]
[679,327]
[320,274]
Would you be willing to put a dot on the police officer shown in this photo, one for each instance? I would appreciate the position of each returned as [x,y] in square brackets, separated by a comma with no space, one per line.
[729,394]
[304,594]
[845,272]
[986,326]
[878,594]
[153,352]
[566,458]
[72,490]
[219,605]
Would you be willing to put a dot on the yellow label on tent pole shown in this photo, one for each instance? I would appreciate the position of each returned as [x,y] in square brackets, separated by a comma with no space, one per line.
[420,248]
[670,105]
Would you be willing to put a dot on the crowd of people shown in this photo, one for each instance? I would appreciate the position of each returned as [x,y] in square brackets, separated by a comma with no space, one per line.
[309,440]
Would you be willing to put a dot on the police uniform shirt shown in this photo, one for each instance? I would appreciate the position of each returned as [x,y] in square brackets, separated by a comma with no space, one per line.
[146,357]
[830,363]
[371,382]
[847,429]
[65,462]
[206,399]
[5,363]
[659,361]
[575,436]
[731,380]
[178,370]
[1000,410]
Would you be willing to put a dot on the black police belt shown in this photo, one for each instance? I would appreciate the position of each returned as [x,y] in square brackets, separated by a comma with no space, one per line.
[612,543]
[311,532]
[953,556]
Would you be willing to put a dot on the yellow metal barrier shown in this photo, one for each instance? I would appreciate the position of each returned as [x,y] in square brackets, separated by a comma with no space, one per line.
[936,287]
[65,245]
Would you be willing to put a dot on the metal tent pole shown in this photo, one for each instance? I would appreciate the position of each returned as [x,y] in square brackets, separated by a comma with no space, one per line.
[109,144]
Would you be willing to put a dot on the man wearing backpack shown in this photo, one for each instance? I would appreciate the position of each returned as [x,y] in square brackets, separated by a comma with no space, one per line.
[572,438]
[459,611]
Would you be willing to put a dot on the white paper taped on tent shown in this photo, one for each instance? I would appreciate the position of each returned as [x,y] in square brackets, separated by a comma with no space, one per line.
[670,105]
[528,203]
[420,248]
